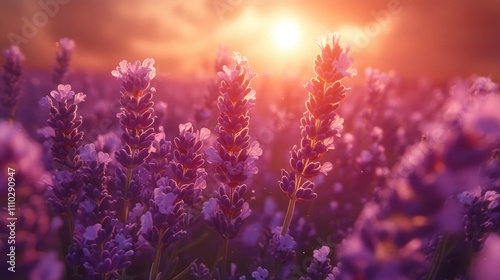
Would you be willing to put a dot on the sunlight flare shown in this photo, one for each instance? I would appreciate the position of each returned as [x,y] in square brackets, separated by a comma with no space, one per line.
[286,34]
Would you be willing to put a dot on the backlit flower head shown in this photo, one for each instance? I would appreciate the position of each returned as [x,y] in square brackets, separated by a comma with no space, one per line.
[62,93]
[135,77]
[334,63]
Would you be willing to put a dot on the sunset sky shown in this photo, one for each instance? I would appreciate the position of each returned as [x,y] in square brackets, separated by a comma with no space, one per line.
[436,39]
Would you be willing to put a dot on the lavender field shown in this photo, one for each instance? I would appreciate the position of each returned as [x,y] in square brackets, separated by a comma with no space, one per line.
[249,140]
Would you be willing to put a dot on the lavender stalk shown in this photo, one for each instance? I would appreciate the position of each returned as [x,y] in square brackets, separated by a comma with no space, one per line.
[233,156]
[320,124]
[137,118]
[11,78]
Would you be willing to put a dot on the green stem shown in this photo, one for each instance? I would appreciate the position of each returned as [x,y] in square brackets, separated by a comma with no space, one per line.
[127,188]
[288,217]
[70,224]
[125,195]
[156,262]
[192,244]
[224,258]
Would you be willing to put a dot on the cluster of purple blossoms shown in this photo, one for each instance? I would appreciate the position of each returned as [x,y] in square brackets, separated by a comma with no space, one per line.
[159,160]
[187,164]
[161,224]
[11,80]
[181,181]
[283,249]
[233,156]
[65,150]
[199,272]
[320,124]
[103,249]
[320,267]
[65,122]
[65,48]
[96,202]
[482,205]
[100,245]
[388,239]
[136,118]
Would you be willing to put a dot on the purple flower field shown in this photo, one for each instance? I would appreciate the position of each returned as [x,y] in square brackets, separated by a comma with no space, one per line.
[333,172]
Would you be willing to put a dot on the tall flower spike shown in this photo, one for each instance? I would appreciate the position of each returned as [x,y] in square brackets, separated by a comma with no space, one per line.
[137,118]
[65,48]
[320,124]
[11,78]
[65,149]
[233,156]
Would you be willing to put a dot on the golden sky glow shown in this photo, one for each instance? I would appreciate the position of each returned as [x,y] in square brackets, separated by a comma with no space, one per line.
[286,34]
[439,39]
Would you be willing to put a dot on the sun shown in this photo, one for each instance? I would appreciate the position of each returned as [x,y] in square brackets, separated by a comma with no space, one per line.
[286,34]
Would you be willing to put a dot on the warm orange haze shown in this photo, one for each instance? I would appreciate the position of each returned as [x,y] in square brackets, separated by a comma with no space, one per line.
[438,39]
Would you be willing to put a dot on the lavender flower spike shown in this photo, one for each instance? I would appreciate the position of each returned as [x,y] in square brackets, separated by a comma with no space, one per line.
[63,58]
[11,76]
[137,118]
[320,124]
[62,104]
[67,162]
[233,156]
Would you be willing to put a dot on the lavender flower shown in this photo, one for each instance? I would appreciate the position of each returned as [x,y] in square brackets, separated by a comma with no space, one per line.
[476,223]
[67,164]
[186,167]
[65,48]
[160,156]
[320,124]
[11,78]
[320,266]
[200,272]
[260,274]
[137,118]
[96,202]
[334,63]
[233,156]
[161,224]
[106,250]
[282,248]
[62,104]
